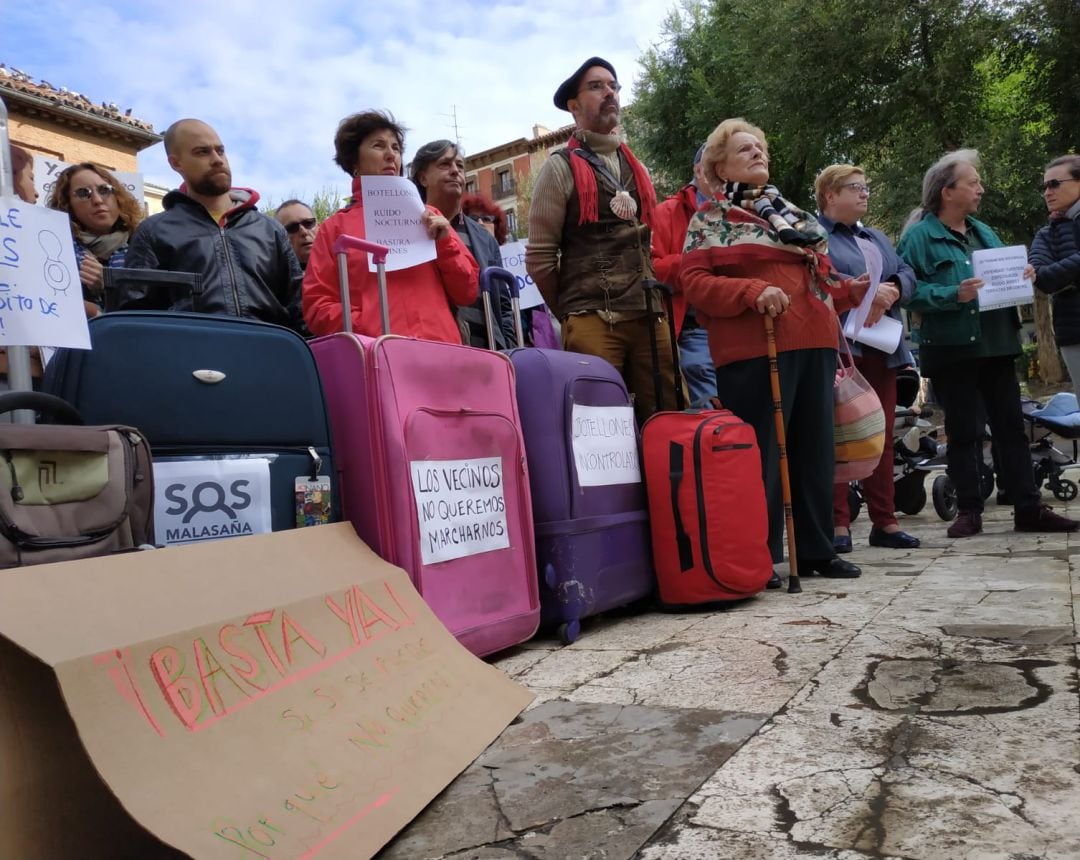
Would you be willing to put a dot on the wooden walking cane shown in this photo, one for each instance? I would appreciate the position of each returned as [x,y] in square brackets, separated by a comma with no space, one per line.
[794,586]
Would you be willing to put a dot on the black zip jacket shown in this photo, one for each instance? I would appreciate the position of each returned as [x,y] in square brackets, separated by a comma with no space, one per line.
[1055,254]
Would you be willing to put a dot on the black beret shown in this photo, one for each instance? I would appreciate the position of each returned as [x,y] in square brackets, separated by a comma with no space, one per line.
[568,89]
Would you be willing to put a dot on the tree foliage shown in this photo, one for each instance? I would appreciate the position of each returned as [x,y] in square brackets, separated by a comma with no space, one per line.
[887,84]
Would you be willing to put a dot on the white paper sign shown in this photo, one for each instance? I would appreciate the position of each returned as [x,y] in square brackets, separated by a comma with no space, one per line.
[885,334]
[460,507]
[392,210]
[46,171]
[513,257]
[605,445]
[1003,271]
[198,500]
[40,292]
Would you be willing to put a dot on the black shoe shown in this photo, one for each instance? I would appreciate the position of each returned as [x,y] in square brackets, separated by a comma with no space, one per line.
[833,568]
[893,540]
[841,543]
[774,581]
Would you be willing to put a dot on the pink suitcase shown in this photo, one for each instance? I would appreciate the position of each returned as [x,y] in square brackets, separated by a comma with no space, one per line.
[432,470]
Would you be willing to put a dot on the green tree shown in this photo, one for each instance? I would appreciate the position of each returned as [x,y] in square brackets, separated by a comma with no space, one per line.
[323,204]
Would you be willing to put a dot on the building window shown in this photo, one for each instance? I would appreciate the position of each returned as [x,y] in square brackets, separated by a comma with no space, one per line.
[504,185]
[511,222]
[470,186]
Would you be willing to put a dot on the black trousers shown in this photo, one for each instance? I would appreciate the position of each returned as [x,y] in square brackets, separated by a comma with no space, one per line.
[806,383]
[973,392]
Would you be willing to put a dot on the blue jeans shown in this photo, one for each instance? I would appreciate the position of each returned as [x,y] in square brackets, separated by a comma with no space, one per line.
[697,365]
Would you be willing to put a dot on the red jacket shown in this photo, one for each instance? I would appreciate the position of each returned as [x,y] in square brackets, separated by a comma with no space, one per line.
[670,220]
[724,284]
[420,297]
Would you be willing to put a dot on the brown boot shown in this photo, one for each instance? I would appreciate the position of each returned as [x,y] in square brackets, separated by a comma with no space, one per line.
[1042,519]
[966,524]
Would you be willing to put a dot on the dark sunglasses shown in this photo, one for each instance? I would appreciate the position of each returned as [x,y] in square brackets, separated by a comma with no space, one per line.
[1054,184]
[103,190]
[306,223]
[486,219]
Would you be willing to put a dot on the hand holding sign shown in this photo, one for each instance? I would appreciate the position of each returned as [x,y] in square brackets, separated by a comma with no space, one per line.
[40,298]
[394,215]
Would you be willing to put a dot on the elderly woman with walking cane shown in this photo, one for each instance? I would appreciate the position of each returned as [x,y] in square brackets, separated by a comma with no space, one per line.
[749,255]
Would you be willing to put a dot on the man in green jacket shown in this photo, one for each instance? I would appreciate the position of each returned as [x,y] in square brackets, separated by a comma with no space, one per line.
[969,356]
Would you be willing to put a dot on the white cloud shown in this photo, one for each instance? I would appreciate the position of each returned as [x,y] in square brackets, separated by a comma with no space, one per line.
[275,77]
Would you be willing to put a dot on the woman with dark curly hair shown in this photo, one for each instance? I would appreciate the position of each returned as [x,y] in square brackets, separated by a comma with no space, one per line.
[103,216]
[421,296]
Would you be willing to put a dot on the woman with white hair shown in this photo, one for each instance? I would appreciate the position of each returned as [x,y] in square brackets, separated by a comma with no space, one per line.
[969,355]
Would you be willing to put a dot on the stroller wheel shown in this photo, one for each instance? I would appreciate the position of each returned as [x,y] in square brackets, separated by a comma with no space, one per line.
[986,479]
[909,493]
[944,492]
[1065,490]
[854,501]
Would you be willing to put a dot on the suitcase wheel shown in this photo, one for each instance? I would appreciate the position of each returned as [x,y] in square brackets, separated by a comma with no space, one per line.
[569,632]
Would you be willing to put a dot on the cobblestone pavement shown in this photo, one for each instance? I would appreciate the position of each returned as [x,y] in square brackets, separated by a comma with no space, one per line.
[927,710]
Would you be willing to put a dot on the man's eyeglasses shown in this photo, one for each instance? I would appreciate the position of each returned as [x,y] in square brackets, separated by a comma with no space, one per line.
[294,226]
[103,190]
[857,187]
[600,86]
[1055,184]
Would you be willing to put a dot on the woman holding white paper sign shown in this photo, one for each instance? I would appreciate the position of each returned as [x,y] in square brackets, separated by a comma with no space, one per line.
[1055,254]
[843,195]
[969,356]
[420,297]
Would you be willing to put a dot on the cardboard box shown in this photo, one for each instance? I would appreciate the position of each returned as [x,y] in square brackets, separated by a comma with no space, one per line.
[283,695]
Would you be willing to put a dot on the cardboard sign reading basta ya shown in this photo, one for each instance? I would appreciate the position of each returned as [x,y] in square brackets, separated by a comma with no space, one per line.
[282,695]
[40,291]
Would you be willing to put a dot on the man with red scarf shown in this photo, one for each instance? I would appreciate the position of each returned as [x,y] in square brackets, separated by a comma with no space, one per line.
[588,250]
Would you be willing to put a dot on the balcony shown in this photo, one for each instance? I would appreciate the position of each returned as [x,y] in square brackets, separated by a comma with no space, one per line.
[503,189]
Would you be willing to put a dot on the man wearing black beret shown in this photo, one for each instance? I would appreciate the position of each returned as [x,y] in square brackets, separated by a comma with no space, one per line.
[588,249]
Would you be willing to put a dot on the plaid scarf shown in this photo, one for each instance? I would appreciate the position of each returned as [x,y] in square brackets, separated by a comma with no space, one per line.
[585,183]
[792,225]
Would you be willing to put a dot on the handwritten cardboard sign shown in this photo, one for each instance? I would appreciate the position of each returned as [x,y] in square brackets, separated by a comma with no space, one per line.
[46,171]
[277,696]
[460,506]
[392,210]
[1002,269]
[40,292]
[513,257]
[206,499]
[605,445]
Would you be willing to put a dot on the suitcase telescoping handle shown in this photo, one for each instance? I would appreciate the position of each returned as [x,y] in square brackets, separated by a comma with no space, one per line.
[113,279]
[488,279]
[378,252]
[665,291]
[39,401]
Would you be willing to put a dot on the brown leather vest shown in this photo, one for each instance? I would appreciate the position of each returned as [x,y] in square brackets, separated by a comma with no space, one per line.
[602,264]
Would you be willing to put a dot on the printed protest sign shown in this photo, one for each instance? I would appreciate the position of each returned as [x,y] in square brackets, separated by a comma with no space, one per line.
[40,292]
[203,499]
[605,445]
[1003,271]
[47,170]
[392,210]
[513,257]
[278,696]
[460,506]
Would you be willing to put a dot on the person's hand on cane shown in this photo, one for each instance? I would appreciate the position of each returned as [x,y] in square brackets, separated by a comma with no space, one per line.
[772,301]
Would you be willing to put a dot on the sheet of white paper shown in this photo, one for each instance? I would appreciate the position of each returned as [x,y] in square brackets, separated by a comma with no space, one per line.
[40,291]
[199,500]
[1003,271]
[513,257]
[605,445]
[392,210]
[872,256]
[885,334]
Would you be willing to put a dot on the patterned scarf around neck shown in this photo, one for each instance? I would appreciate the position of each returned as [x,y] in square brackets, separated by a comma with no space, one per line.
[792,225]
[585,183]
[104,246]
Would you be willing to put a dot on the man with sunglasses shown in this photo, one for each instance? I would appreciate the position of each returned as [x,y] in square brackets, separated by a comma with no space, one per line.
[589,235]
[300,223]
[208,226]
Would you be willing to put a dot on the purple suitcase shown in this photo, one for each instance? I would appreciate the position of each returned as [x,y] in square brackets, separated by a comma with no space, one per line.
[592,541]
[428,431]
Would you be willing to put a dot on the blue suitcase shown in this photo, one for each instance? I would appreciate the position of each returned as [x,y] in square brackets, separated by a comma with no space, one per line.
[212,392]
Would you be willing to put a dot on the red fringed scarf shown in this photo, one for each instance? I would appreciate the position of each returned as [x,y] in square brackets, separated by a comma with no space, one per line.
[588,197]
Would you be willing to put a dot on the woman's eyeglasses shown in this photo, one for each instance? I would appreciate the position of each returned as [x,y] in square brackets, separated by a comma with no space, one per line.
[306,223]
[857,187]
[1055,184]
[103,190]
[485,219]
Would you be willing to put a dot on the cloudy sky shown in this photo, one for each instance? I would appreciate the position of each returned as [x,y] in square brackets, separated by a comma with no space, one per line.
[275,77]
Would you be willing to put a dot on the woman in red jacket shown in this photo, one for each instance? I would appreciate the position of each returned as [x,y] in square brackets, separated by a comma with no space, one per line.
[749,253]
[421,297]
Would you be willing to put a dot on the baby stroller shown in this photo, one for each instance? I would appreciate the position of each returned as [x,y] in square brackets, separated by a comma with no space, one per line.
[1061,417]
[912,449]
